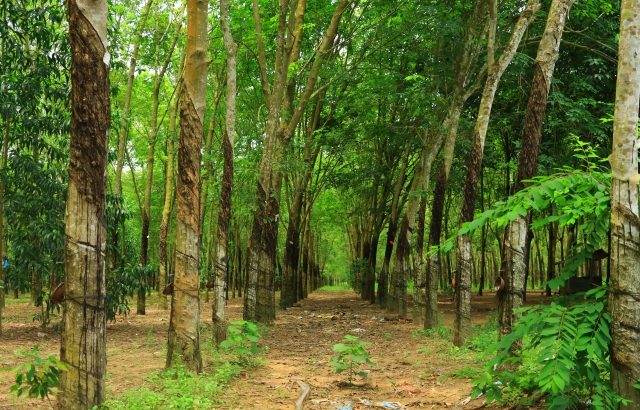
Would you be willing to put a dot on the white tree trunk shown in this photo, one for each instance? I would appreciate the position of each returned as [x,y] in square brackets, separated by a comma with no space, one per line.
[624,293]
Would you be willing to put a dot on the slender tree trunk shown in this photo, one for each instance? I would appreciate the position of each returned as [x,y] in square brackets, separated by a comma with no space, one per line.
[516,245]
[83,346]
[123,129]
[151,147]
[483,240]
[290,272]
[462,324]
[3,242]
[168,198]
[184,331]
[224,216]
[384,298]
[402,264]
[625,220]
[551,256]
[420,271]
[462,92]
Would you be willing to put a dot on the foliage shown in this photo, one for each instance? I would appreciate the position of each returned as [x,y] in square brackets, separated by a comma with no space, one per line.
[39,377]
[242,340]
[569,197]
[176,388]
[179,388]
[351,356]
[565,355]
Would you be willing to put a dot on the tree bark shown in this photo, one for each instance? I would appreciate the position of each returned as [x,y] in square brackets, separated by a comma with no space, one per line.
[551,256]
[83,346]
[224,216]
[420,272]
[168,197]
[383,298]
[3,250]
[625,221]
[184,331]
[516,245]
[462,324]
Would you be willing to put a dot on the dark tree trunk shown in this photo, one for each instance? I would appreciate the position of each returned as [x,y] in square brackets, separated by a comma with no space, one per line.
[383,277]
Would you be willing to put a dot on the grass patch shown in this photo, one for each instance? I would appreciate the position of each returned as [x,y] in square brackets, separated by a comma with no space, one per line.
[179,388]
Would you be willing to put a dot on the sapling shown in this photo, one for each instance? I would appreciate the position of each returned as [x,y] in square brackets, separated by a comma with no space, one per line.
[352,355]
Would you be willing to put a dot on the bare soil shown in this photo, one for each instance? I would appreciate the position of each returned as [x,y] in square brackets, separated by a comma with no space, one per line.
[411,370]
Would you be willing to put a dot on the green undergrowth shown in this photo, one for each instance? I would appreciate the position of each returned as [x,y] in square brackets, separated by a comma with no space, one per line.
[472,356]
[179,388]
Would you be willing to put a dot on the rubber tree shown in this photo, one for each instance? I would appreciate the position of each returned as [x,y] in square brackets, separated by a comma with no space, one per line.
[462,324]
[625,219]
[259,302]
[516,239]
[123,128]
[184,329]
[151,149]
[83,347]
[169,194]
[465,68]
[224,216]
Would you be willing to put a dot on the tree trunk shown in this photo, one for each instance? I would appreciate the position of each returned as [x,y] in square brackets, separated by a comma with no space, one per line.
[462,324]
[516,245]
[551,256]
[123,129]
[420,271]
[625,220]
[168,198]
[151,146]
[224,216]
[392,229]
[3,250]
[401,265]
[450,125]
[259,298]
[83,346]
[184,331]
[288,295]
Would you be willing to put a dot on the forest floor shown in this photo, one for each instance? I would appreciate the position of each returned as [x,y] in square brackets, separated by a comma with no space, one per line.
[412,370]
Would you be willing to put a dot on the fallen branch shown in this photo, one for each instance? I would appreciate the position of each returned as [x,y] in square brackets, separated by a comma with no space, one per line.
[304,395]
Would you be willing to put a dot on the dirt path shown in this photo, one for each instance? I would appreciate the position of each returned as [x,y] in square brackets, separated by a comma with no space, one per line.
[410,368]
[416,371]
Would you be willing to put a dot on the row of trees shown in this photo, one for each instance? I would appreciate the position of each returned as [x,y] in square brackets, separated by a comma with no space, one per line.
[332,118]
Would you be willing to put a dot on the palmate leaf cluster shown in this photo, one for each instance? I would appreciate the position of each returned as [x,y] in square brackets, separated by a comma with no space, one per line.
[567,345]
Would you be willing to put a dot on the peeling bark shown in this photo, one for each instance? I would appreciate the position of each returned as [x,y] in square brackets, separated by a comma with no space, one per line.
[184,331]
[83,346]
[224,216]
